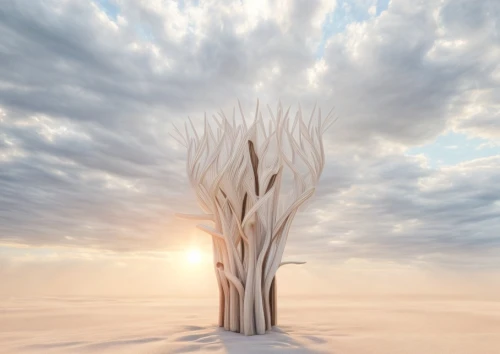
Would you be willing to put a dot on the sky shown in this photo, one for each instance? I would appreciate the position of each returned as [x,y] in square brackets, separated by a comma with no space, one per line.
[90,178]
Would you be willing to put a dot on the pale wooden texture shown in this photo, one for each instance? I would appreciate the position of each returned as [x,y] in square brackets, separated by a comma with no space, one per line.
[250,181]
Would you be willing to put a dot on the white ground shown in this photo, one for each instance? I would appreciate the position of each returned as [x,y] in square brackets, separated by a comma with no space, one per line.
[336,324]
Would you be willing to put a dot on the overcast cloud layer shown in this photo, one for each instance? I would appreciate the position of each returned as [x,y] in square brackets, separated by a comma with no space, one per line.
[88,92]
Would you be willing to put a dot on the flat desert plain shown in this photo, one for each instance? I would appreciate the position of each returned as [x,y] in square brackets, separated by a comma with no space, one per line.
[324,324]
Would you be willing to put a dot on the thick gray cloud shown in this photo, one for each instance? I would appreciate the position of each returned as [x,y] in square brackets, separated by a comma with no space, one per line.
[87,100]
[397,209]
[416,70]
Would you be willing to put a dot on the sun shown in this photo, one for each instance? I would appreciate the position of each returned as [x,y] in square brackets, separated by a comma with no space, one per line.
[193,256]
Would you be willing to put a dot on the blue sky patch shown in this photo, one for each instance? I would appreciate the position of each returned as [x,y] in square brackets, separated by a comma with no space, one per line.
[453,148]
[109,7]
[346,12]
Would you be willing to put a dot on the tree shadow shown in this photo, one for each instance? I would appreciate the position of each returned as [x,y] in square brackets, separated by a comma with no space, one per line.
[276,341]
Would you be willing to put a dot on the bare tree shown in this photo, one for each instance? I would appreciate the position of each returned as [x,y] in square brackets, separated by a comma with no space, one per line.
[250,181]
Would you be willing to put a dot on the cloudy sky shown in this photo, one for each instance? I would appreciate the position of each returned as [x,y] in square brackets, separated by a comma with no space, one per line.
[90,178]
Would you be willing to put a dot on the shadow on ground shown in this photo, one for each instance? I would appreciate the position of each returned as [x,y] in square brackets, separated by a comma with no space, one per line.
[214,339]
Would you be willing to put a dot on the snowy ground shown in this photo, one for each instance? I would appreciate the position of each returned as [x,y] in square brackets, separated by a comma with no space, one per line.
[336,324]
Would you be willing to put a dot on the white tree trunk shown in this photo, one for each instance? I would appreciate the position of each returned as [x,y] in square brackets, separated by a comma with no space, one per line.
[237,172]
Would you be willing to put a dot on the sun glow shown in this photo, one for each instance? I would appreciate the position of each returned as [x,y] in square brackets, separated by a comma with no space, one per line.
[193,256]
